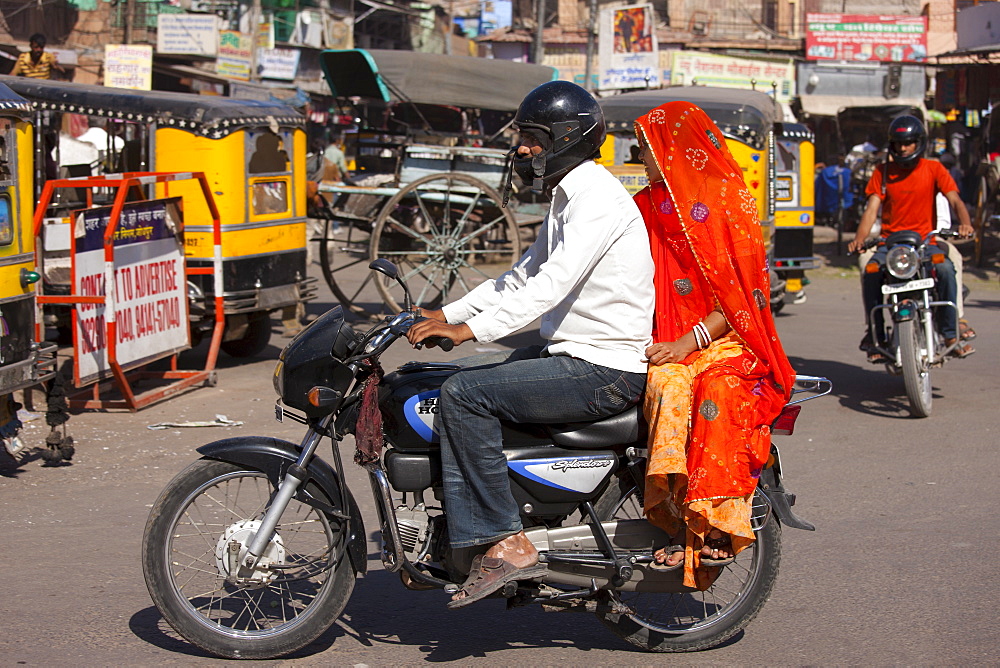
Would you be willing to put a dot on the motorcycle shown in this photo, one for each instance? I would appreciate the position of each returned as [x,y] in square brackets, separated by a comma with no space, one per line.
[903,328]
[253,550]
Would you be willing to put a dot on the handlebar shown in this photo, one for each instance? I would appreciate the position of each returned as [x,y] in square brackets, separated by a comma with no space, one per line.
[442,342]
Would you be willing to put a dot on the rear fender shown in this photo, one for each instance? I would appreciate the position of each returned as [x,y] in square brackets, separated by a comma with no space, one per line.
[781,501]
[272,457]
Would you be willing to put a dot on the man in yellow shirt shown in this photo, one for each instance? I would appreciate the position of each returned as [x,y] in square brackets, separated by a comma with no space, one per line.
[36,63]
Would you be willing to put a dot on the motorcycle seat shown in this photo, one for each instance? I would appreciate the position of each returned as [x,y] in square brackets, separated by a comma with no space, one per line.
[623,428]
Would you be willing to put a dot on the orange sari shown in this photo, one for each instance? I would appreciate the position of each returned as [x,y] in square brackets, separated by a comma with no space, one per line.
[710,415]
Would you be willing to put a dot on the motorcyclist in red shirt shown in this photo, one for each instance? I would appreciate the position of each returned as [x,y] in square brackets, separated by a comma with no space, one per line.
[905,187]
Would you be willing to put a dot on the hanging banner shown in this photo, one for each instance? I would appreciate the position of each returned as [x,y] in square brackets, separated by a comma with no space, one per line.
[856,37]
[628,55]
[150,290]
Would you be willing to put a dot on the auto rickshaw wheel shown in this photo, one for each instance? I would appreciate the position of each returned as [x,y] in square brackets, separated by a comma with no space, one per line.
[254,340]
[985,210]
[447,233]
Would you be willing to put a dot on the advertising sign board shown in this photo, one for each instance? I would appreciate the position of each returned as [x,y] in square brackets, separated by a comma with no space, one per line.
[856,37]
[149,297]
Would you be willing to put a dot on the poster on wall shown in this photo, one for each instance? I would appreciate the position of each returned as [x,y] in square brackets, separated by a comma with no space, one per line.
[628,55]
[150,290]
[856,37]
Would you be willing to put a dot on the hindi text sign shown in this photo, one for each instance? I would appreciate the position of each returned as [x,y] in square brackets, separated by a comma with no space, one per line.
[150,289]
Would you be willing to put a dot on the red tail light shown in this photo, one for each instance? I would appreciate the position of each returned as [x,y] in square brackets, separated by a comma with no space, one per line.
[784,424]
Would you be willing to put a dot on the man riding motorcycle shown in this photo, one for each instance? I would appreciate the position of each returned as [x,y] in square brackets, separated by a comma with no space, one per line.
[905,186]
[589,276]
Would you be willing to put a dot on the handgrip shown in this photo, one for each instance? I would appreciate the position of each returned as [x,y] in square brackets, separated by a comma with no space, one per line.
[442,342]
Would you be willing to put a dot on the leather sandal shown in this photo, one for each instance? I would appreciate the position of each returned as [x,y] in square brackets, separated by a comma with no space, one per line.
[721,543]
[965,331]
[490,574]
[670,549]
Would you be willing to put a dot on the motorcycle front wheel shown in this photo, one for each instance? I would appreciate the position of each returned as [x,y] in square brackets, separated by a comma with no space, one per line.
[206,514]
[915,354]
[695,620]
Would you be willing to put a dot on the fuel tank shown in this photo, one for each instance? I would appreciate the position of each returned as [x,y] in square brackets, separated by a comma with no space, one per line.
[409,401]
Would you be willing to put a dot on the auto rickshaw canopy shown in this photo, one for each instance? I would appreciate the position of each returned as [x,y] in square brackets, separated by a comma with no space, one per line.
[210,116]
[431,78]
[12,104]
[745,115]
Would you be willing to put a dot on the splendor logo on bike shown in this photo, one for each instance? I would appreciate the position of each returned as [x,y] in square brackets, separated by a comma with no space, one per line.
[573,474]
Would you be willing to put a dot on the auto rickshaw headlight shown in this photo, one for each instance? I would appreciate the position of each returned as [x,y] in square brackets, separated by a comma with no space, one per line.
[902,262]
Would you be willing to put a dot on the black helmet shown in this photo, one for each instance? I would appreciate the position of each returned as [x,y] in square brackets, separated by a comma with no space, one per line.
[568,123]
[907,130]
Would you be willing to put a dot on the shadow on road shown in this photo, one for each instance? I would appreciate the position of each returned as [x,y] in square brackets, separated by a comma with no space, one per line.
[382,612]
[872,391]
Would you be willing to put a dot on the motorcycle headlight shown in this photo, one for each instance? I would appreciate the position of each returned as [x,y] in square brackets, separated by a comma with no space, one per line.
[902,262]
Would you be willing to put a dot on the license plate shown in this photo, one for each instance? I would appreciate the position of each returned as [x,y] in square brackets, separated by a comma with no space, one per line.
[919,284]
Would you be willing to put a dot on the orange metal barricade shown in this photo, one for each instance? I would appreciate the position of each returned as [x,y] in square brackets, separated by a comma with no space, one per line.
[180,380]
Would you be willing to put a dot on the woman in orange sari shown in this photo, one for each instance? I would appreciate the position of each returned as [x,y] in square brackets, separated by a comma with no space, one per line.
[718,376]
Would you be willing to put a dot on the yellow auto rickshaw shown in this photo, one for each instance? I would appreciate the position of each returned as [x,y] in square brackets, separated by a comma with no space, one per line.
[777,160]
[24,361]
[254,156]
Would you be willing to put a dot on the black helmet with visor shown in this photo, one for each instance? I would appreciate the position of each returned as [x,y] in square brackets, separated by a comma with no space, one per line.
[907,130]
[569,125]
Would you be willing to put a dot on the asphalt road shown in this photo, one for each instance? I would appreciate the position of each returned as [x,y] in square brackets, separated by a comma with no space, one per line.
[901,570]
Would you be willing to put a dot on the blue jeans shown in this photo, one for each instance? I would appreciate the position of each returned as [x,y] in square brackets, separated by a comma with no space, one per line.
[520,385]
[947,290]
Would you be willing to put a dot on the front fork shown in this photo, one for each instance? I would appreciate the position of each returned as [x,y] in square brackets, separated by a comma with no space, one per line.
[296,474]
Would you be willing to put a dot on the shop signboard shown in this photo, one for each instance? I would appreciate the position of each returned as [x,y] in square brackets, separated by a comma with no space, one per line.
[150,291]
[128,66]
[191,34]
[707,69]
[864,38]
[235,55]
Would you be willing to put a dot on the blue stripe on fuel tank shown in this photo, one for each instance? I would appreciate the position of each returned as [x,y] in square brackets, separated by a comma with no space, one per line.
[420,411]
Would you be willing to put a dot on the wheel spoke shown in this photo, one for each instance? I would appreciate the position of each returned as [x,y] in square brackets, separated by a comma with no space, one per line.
[304,544]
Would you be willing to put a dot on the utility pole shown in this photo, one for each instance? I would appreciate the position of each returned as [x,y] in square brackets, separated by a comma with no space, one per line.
[539,46]
[591,35]
[129,20]
[254,39]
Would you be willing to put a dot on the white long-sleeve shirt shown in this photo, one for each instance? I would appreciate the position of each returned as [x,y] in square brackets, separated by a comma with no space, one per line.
[589,275]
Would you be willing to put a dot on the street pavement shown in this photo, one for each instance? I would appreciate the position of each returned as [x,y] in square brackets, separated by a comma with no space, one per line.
[900,571]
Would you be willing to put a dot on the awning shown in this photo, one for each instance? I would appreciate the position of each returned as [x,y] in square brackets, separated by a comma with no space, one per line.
[830,105]
[431,78]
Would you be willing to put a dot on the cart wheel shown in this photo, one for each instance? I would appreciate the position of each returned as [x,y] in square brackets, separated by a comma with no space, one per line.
[342,249]
[447,233]
[985,208]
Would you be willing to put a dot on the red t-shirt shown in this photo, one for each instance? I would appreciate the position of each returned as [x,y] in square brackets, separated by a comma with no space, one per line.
[908,202]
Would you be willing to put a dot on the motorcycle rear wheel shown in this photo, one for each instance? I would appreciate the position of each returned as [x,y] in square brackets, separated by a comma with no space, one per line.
[698,620]
[189,527]
[914,353]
